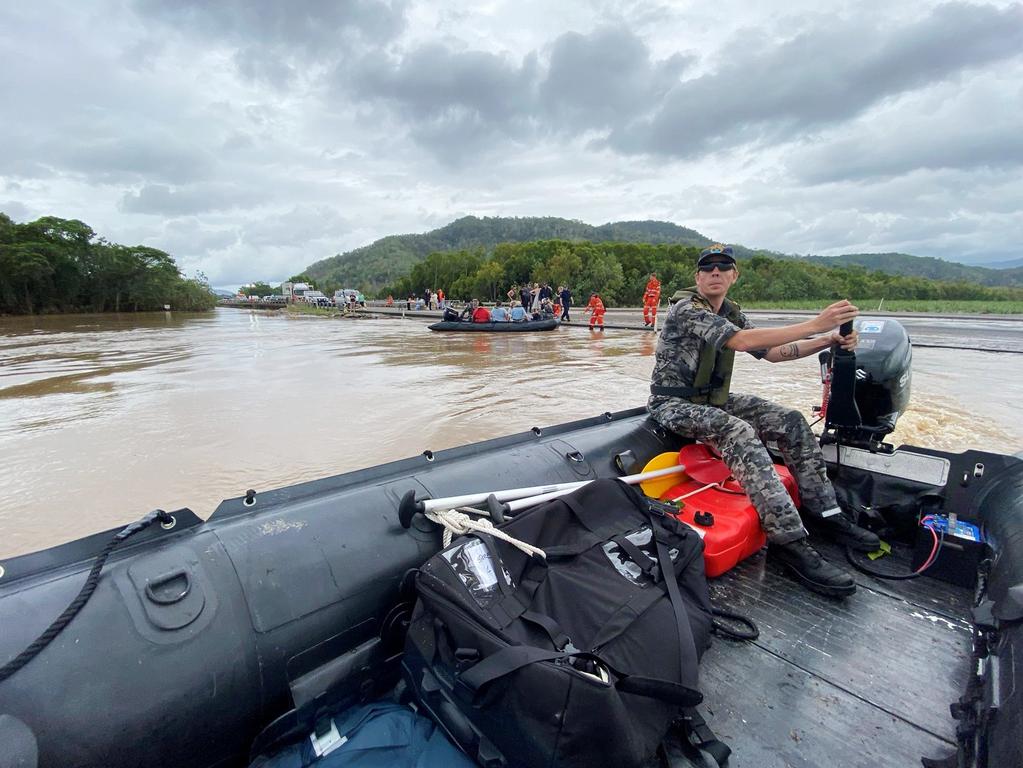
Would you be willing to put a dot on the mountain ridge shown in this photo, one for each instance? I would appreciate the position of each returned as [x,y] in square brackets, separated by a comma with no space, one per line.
[389,258]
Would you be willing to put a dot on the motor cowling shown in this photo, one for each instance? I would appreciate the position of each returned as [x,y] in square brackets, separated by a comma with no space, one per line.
[882,384]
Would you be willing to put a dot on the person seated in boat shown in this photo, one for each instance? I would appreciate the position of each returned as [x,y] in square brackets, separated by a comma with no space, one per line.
[518,314]
[546,310]
[466,314]
[689,395]
[480,314]
[499,314]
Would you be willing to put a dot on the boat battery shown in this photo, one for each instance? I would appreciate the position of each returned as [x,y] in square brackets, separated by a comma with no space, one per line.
[961,550]
[725,518]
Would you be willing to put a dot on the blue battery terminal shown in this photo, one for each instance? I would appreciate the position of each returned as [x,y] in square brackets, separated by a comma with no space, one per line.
[958,528]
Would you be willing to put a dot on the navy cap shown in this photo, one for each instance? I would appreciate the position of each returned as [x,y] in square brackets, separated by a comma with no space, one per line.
[722,252]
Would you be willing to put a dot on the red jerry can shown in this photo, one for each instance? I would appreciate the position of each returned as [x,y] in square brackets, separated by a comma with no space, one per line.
[723,515]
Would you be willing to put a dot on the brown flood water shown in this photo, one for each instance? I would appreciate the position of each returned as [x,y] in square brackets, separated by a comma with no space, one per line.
[104,418]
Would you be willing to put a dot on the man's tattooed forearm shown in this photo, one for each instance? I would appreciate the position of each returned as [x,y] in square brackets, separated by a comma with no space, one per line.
[790,350]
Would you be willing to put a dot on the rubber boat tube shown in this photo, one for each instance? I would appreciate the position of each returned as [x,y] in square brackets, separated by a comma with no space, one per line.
[501,327]
[198,636]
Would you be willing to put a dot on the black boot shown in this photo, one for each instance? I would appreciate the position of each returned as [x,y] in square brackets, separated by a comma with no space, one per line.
[807,565]
[841,530]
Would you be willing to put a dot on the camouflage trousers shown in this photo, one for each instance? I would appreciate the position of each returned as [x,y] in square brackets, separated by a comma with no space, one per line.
[738,431]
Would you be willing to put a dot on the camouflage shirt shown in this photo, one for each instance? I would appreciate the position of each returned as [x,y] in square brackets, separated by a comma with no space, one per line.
[690,324]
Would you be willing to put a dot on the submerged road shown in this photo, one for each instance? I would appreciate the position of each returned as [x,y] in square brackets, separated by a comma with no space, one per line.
[988,333]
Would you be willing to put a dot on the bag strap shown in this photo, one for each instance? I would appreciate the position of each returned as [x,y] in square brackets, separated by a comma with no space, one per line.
[515,657]
[558,636]
[518,599]
[688,658]
[699,734]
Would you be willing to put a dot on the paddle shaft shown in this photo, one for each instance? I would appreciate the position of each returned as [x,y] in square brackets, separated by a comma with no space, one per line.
[522,503]
[536,493]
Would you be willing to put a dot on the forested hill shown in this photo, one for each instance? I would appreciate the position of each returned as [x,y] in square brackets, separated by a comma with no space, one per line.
[923,266]
[390,258]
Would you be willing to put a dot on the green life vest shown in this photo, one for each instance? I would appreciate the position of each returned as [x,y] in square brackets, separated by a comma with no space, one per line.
[714,371]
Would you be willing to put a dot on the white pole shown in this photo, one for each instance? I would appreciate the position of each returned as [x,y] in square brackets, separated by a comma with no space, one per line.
[536,493]
[522,503]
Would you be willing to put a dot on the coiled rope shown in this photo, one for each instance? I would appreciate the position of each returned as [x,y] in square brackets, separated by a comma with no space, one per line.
[456,522]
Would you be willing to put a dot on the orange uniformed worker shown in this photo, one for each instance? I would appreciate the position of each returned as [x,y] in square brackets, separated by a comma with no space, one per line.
[651,297]
[596,307]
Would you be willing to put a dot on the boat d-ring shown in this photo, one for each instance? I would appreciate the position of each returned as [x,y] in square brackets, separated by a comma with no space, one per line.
[575,456]
[2,571]
[166,578]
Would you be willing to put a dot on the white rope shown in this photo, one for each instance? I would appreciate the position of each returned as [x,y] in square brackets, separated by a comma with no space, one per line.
[456,522]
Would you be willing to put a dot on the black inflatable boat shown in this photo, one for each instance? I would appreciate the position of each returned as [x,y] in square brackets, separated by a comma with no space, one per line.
[504,327]
[201,638]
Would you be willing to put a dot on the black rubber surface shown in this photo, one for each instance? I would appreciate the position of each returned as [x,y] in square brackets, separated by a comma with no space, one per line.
[501,327]
[864,681]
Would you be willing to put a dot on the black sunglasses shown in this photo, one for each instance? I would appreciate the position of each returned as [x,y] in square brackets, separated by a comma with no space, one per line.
[724,267]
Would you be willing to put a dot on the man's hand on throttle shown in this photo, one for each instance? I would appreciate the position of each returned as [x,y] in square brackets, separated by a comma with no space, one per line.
[847,342]
[836,314]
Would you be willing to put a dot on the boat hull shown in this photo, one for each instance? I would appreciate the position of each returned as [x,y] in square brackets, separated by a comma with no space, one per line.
[509,327]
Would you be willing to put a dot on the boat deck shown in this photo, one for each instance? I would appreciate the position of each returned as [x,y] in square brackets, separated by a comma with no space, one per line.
[862,682]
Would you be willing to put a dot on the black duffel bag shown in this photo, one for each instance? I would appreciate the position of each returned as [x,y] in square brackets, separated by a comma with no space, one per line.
[582,658]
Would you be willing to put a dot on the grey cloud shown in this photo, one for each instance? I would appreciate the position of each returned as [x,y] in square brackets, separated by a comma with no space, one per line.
[272,39]
[820,77]
[311,25]
[949,213]
[154,157]
[897,152]
[456,103]
[162,200]
[432,81]
[605,78]
[15,210]
[253,63]
[190,235]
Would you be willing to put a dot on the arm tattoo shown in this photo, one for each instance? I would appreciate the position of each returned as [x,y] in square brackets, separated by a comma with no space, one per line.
[789,351]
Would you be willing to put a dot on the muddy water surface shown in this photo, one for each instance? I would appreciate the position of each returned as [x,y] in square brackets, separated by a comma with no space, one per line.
[104,418]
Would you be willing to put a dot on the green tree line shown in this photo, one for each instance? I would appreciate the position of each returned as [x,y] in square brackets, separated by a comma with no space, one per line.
[61,265]
[619,272]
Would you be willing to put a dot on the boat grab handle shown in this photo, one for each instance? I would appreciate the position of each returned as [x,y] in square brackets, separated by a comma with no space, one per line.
[166,578]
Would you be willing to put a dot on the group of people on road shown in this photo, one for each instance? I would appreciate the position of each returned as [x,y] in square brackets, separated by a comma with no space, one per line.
[429,299]
[541,299]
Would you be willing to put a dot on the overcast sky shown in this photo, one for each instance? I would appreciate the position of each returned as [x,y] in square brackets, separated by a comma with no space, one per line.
[250,138]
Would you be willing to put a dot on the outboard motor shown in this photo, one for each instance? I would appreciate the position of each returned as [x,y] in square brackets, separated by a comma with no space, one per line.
[866,391]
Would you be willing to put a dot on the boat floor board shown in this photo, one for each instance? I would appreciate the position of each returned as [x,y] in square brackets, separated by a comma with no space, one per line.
[865,681]
[936,596]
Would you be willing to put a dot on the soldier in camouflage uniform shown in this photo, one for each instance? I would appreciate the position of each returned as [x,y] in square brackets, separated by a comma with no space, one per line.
[690,396]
